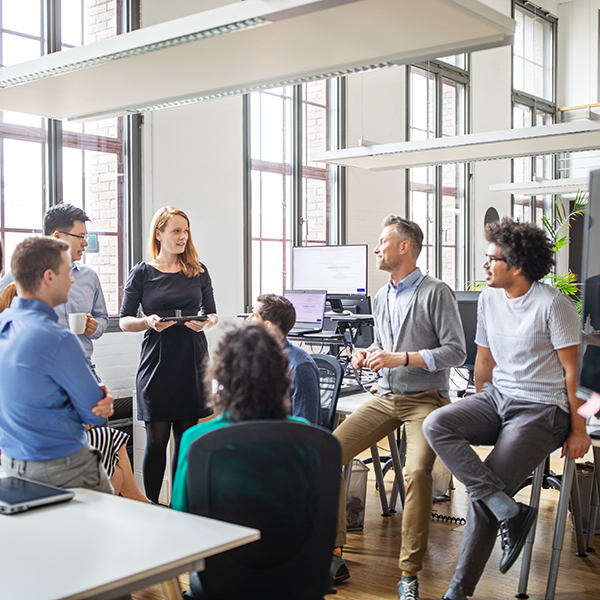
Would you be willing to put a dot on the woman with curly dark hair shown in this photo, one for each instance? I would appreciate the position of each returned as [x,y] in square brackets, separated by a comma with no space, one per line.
[247,379]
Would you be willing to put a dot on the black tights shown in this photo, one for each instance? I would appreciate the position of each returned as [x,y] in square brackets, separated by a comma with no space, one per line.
[155,455]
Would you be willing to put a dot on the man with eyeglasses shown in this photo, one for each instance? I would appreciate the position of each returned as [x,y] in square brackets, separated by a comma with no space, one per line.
[68,223]
[525,403]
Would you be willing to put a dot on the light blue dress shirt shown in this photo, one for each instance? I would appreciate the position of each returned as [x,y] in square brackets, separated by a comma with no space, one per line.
[47,389]
[398,300]
[85,296]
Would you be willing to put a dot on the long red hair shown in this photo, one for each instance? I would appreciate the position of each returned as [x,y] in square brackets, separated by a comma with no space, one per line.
[190,263]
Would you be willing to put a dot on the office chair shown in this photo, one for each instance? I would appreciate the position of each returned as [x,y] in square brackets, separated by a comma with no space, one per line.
[331,374]
[279,477]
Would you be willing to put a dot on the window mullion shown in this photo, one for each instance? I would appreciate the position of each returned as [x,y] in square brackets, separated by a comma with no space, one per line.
[439,110]
[54,163]
[296,168]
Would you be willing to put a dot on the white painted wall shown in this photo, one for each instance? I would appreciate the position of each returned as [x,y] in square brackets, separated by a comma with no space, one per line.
[376,110]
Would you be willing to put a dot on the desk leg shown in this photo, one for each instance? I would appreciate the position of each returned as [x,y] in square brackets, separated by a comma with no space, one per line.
[172,589]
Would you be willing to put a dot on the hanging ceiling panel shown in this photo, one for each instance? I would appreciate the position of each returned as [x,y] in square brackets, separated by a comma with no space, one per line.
[245,46]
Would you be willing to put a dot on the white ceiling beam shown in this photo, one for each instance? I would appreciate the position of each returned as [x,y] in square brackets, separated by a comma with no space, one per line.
[245,46]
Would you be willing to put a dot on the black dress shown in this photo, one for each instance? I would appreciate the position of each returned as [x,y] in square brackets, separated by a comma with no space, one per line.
[169,379]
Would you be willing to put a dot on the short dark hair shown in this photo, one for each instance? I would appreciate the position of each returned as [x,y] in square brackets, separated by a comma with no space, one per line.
[279,310]
[406,230]
[524,246]
[251,371]
[33,257]
[63,216]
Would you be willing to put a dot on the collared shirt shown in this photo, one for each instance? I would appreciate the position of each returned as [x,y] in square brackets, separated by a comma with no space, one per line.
[306,391]
[85,296]
[47,389]
[398,300]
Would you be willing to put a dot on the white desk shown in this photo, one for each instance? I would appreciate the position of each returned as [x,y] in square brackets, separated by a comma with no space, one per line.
[103,547]
[348,404]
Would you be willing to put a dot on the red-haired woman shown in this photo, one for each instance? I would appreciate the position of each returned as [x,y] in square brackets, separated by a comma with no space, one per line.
[169,384]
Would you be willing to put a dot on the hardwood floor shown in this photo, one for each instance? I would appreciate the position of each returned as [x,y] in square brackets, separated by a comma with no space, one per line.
[372,557]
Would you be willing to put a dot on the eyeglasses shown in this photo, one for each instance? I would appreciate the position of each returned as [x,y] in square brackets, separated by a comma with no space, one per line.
[81,238]
[491,259]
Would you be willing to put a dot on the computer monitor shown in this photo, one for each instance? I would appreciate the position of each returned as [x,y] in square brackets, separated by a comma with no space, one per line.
[341,270]
[589,355]
[467,307]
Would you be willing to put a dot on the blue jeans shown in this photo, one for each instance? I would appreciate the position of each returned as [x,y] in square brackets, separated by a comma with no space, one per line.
[523,434]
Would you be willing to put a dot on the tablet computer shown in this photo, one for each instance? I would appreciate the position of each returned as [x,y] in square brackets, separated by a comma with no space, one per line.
[18,494]
[184,319]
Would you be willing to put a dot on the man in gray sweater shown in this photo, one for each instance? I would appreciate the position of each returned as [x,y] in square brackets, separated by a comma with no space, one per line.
[418,339]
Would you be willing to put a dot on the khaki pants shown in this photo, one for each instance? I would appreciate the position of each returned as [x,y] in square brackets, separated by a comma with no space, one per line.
[372,422]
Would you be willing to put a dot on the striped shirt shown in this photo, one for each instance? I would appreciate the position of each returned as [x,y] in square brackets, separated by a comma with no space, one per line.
[523,335]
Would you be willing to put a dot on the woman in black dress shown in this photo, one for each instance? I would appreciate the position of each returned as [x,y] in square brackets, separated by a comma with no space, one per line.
[169,384]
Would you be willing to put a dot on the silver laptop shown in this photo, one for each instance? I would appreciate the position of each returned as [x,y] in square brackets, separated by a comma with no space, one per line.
[310,310]
[18,494]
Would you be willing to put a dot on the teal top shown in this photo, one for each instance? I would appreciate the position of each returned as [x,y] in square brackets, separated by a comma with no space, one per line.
[179,496]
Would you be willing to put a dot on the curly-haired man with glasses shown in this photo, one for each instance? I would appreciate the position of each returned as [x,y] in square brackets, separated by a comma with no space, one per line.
[525,404]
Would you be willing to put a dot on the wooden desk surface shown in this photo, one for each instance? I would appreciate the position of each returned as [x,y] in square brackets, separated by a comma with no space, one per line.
[102,546]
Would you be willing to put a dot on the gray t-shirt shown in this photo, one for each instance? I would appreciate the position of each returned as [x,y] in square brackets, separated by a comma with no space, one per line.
[523,335]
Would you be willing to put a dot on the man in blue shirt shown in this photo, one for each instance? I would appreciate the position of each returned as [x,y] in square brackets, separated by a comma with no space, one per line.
[278,315]
[67,222]
[47,389]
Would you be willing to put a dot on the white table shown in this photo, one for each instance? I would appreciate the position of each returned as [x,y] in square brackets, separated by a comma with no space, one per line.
[103,547]
[348,404]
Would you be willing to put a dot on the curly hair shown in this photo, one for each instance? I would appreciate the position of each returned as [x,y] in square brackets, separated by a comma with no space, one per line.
[251,373]
[523,246]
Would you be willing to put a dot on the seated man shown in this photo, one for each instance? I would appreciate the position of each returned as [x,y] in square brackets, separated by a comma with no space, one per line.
[525,405]
[278,315]
[47,388]
[418,339]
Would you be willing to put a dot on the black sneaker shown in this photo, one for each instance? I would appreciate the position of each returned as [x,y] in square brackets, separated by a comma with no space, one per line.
[513,533]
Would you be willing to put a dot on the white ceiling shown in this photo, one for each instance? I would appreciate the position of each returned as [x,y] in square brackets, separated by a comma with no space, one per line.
[352,34]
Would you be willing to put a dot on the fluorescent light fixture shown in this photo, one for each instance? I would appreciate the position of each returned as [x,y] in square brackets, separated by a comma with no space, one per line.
[545,186]
[531,141]
[245,46]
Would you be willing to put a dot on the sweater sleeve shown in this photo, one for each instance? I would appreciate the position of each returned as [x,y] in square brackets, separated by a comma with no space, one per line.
[451,351]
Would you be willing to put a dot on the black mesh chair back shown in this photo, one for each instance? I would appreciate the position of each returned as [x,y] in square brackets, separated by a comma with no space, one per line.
[331,374]
[279,477]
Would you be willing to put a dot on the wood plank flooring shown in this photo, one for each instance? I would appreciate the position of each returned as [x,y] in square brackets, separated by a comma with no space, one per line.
[372,557]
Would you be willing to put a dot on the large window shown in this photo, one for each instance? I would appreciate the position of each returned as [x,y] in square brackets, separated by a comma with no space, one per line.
[292,200]
[45,162]
[437,194]
[533,100]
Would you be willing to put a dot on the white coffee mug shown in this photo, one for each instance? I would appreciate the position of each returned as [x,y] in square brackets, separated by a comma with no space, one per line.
[77,322]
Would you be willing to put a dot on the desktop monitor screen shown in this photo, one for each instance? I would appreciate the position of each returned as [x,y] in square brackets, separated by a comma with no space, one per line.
[341,270]
[467,307]
[589,355]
